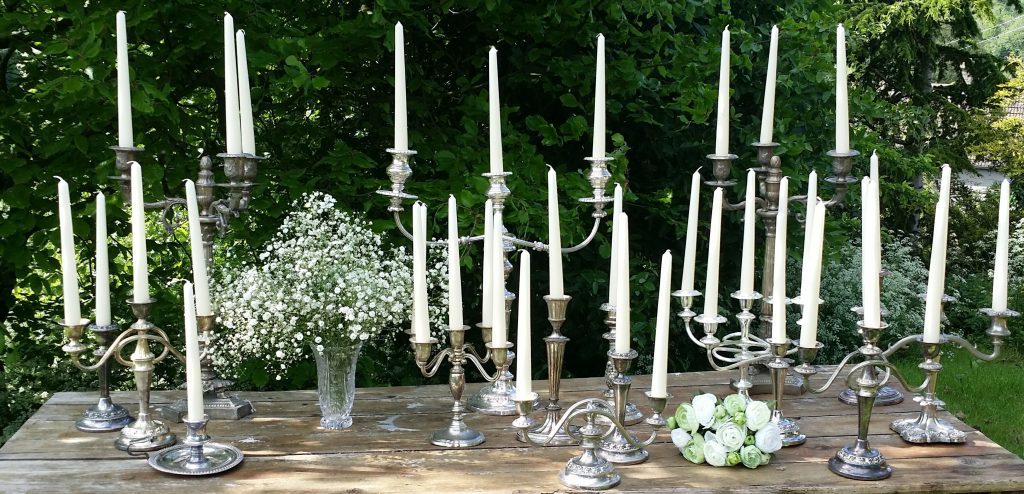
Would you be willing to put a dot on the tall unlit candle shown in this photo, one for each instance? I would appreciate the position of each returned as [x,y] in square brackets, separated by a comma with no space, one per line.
[613,275]
[999,278]
[749,222]
[870,295]
[420,324]
[722,131]
[102,264]
[488,297]
[244,101]
[193,370]
[599,105]
[812,199]
[779,273]
[140,265]
[524,375]
[455,321]
[199,265]
[622,309]
[232,120]
[937,268]
[554,237]
[68,260]
[401,113]
[714,245]
[809,323]
[842,98]
[768,112]
[499,333]
[494,111]
[125,137]
[659,375]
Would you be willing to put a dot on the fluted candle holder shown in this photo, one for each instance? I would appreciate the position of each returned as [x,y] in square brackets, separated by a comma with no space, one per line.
[555,344]
[197,455]
[633,414]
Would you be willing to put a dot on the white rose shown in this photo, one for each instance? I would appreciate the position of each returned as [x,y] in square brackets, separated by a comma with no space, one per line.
[680,438]
[731,436]
[768,439]
[715,453]
[704,407]
[758,415]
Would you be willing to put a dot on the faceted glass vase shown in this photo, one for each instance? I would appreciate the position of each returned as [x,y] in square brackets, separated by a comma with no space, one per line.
[336,383]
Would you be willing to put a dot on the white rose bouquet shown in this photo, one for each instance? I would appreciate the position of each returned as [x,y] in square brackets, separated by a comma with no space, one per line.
[725,432]
[325,278]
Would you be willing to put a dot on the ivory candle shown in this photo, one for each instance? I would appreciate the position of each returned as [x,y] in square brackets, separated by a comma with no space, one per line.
[140,265]
[768,112]
[494,112]
[809,323]
[870,289]
[659,375]
[874,167]
[999,278]
[599,105]
[842,98]
[455,320]
[488,301]
[779,273]
[613,274]
[812,199]
[68,260]
[524,376]
[690,252]
[937,268]
[200,275]
[232,119]
[622,310]
[421,327]
[714,244]
[557,287]
[401,113]
[102,264]
[244,101]
[125,137]
[722,130]
[749,222]
[499,333]
[193,370]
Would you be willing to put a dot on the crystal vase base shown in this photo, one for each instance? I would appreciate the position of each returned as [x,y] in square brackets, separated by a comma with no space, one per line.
[336,384]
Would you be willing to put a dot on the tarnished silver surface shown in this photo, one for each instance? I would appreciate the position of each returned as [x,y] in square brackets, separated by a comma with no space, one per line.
[457,434]
[196,455]
[616,447]
[555,344]
[105,415]
[633,414]
[778,367]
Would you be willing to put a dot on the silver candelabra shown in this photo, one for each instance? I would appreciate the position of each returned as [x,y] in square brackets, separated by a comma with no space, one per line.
[497,397]
[214,216]
[769,175]
[603,445]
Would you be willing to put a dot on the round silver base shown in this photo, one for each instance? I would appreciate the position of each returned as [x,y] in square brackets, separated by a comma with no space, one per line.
[497,398]
[928,430]
[217,458]
[761,381]
[145,434]
[456,438]
[633,416]
[596,476]
[105,416]
[887,396]
[615,449]
[867,464]
[791,435]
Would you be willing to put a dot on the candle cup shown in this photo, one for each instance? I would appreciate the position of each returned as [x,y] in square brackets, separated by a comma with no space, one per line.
[497,192]
[616,447]
[633,414]
[122,157]
[658,404]
[721,166]
[598,178]
[398,171]
[555,343]
[746,344]
[197,455]
[710,323]
[765,153]
[105,415]
[842,164]
[887,395]
[807,356]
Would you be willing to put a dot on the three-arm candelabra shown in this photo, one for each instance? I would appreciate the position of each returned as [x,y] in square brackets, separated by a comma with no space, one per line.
[769,174]
[497,397]
[145,433]
[214,216]
[603,445]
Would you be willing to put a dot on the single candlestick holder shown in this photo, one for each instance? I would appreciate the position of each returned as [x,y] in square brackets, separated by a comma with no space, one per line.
[555,343]
[105,415]
[778,366]
[927,428]
[197,455]
[887,395]
[592,469]
[458,434]
[145,433]
[215,215]
[633,414]
[496,398]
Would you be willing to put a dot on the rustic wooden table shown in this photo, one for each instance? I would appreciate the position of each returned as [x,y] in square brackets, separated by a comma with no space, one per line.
[386,450]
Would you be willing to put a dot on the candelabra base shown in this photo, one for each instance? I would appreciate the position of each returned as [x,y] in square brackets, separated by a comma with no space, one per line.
[791,435]
[104,416]
[616,449]
[887,396]
[761,381]
[589,472]
[926,429]
[457,435]
[497,398]
[633,415]
[145,434]
[540,433]
[860,462]
[216,458]
[217,405]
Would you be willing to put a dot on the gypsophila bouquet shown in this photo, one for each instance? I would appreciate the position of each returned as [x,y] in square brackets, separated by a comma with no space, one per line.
[324,279]
[725,433]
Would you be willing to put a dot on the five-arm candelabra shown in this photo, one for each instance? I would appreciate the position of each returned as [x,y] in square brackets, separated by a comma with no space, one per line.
[497,397]
[603,445]
[214,216]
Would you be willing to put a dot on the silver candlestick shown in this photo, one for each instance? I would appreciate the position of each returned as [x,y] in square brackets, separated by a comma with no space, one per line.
[621,446]
[778,367]
[633,414]
[145,433]
[105,415]
[196,455]
[496,398]
[887,395]
[555,343]
[458,434]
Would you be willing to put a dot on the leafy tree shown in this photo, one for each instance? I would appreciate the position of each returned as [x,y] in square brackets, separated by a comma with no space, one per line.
[1000,132]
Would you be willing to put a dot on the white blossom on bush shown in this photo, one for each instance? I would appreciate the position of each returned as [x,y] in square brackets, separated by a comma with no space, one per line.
[325,278]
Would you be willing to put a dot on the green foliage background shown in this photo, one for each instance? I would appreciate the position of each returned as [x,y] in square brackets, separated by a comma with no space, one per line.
[321,87]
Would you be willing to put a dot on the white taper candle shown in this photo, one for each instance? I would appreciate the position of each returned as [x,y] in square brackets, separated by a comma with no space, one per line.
[401,113]
[455,320]
[499,333]
[722,130]
[244,101]
[1002,263]
[524,375]
[842,94]
[692,221]
[714,245]
[749,224]
[125,137]
[193,369]
[102,264]
[598,150]
[622,307]
[613,275]
[937,268]
[659,374]
[488,297]
[232,119]
[200,274]
[68,259]
[768,112]
[779,272]
[809,322]
[557,287]
[140,264]
[494,112]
